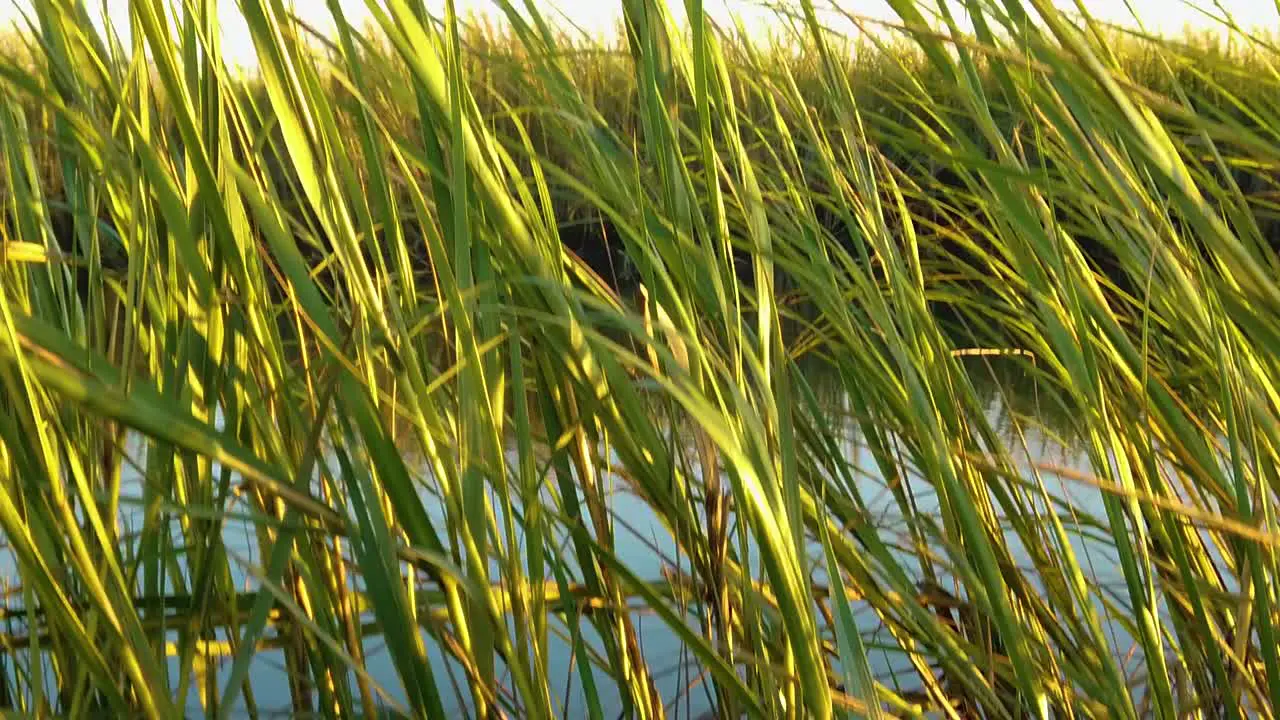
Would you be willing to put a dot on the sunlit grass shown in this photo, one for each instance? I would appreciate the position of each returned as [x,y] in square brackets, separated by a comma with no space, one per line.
[312,369]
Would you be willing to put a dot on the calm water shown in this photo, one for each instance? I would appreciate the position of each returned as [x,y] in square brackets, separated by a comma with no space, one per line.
[646,547]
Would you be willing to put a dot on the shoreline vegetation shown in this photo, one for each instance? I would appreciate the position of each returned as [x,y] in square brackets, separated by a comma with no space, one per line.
[345,364]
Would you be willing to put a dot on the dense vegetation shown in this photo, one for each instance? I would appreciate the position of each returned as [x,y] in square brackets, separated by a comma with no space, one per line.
[350,353]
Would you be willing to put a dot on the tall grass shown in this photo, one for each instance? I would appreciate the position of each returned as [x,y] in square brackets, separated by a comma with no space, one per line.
[328,377]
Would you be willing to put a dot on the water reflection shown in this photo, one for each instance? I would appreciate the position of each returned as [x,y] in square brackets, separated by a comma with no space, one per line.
[1033,427]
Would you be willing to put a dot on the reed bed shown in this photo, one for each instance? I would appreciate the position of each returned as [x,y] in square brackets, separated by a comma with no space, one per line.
[309,395]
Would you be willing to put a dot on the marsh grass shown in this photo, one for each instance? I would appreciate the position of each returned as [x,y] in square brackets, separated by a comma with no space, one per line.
[333,356]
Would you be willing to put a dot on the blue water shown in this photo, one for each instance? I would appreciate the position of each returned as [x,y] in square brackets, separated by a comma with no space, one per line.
[647,548]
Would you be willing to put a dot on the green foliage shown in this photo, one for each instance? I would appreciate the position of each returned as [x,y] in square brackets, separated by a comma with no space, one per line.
[315,361]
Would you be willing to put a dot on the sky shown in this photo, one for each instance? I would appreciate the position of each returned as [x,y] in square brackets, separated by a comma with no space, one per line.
[1160,16]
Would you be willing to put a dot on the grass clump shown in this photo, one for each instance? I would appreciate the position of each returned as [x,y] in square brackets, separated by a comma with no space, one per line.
[300,365]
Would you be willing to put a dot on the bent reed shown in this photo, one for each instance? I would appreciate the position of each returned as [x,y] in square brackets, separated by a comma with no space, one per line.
[337,367]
